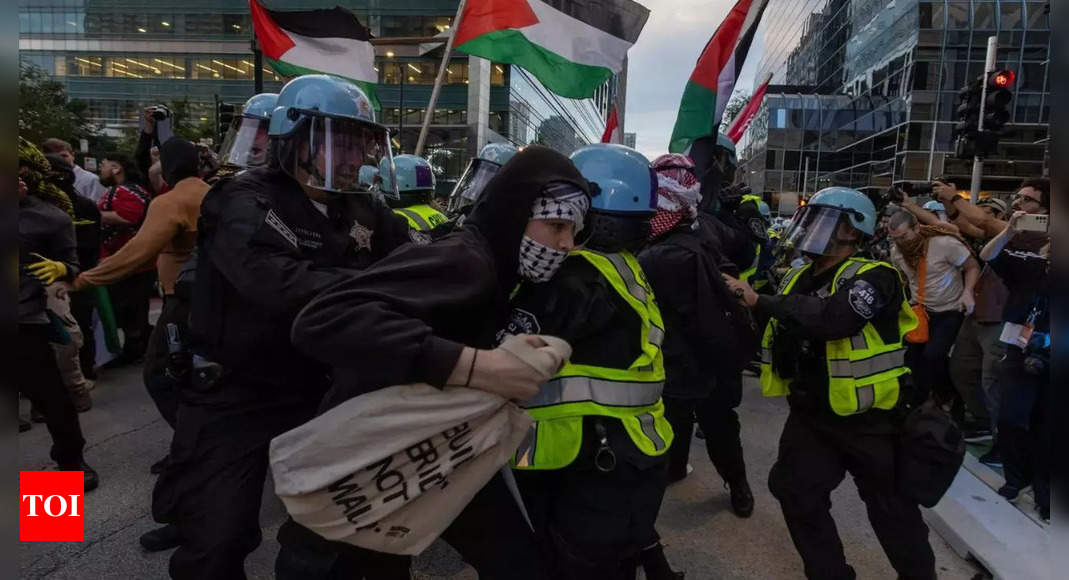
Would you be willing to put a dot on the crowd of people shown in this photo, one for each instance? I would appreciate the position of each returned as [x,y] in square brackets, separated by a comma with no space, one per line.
[305,265]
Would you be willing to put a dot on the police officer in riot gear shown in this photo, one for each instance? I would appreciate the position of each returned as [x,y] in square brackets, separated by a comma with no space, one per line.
[271,238]
[490,159]
[833,346]
[592,468]
[246,141]
[409,189]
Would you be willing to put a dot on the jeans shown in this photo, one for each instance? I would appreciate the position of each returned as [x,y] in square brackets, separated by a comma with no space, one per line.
[974,368]
[928,361]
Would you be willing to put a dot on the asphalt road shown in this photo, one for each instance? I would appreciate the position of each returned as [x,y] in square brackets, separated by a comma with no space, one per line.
[703,537]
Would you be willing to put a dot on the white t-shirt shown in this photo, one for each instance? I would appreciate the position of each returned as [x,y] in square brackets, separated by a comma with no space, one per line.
[944,283]
[87,184]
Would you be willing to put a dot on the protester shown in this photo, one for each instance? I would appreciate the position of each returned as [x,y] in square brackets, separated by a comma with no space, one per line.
[1024,414]
[86,183]
[703,382]
[47,253]
[841,418]
[591,482]
[431,314]
[166,238]
[270,239]
[60,299]
[942,277]
[1033,196]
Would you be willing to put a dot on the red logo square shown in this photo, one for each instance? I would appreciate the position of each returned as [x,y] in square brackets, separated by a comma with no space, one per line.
[51,506]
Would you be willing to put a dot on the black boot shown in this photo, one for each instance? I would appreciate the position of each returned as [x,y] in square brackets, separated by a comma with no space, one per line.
[741,498]
[158,467]
[655,564]
[92,480]
[161,539]
[24,425]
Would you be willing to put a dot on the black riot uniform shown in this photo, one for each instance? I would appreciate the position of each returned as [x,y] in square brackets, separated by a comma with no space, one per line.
[592,522]
[265,249]
[407,320]
[818,447]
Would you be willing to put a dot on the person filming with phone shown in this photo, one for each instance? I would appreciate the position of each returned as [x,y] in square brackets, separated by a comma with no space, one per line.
[1024,414]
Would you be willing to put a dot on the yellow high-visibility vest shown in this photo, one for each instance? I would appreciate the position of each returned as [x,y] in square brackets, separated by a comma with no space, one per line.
[863,370]
[422,217]
[632,395]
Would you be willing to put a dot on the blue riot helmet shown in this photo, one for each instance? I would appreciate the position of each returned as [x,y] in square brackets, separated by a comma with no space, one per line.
[323,131]
[766,212]
[369,177]
[624,199]
[412,181]
[938,208]
[246,141]
[477,175]
[834,216]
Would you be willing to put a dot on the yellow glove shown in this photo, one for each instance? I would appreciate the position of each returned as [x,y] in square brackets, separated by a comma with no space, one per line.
[84,222]
[47,271]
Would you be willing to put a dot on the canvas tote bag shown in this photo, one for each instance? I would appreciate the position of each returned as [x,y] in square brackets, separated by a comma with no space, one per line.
[391,469]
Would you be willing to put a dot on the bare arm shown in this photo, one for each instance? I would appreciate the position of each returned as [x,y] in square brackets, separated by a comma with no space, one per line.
[923,216]
[962,210]
[997,243]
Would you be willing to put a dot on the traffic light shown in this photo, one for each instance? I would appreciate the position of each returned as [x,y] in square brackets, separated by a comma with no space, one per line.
[996,106]
[970,140]
[224,113]
[968,116]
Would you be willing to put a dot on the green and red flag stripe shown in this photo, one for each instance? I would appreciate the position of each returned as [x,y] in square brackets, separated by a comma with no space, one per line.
[710,85]
[571,46]
[317,41]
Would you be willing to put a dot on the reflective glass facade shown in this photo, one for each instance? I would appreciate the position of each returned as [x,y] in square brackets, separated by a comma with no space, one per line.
[864,92]
[122,55]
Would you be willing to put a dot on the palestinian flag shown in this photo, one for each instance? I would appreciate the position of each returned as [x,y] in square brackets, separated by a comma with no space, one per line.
[742,122]
[317,41]
[710,85]
[571,46]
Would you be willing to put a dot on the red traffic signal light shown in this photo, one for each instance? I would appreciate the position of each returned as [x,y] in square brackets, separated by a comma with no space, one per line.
[1002,79]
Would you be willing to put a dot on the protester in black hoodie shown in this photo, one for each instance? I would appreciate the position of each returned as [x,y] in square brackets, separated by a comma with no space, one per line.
[430,314]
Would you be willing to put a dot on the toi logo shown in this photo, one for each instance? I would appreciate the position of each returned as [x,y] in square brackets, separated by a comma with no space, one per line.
[51,506]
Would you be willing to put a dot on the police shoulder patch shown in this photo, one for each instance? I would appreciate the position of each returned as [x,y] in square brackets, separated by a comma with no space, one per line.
[279,226]
[758,228]
[864,299]
[522,322]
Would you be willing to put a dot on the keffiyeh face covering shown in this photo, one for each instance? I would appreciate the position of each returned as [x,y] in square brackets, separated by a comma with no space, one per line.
[561,201]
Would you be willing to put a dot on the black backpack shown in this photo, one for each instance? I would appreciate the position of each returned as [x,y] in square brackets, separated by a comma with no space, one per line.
[730,326]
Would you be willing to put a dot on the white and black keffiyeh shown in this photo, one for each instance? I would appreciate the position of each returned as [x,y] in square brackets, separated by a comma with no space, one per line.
[561,201]
[538,263]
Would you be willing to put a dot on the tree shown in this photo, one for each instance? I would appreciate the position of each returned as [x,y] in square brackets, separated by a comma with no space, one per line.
[46,111]
[186,125]
[736,104]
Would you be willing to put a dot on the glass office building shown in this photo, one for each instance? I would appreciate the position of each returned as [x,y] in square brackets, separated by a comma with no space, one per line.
[119,56]
[864,92]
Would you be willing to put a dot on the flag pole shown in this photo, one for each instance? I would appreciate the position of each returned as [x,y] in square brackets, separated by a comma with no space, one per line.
[429,113]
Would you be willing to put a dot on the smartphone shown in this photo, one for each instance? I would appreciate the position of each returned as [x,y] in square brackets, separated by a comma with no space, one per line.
[1033,222]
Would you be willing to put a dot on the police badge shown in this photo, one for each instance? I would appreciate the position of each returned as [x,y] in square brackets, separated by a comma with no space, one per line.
[361,235]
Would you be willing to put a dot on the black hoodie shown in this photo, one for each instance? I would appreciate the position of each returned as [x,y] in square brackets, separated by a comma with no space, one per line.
[407,318]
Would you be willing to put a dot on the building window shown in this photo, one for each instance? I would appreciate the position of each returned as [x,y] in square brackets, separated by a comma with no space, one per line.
[958,15]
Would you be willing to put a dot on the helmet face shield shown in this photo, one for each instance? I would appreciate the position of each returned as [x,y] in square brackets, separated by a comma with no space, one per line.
[471,184]
[817,230]
[245,144]
[331,151]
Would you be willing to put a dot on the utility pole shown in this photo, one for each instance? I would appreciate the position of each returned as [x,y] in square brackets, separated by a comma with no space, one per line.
[258,64]
[977,161]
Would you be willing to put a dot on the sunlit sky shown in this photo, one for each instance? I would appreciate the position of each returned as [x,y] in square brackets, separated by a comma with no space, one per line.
[662,60]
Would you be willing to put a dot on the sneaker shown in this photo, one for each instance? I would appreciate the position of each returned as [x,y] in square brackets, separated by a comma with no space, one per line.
[741,499]
[977,435]
[1009,492]
[161,539]
[992,458]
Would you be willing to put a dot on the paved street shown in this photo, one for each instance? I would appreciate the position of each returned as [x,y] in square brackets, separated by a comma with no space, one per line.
[126,435]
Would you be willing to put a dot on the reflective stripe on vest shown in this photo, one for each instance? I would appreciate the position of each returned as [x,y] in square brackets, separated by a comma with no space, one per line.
[631,395]
[745,275]
[863,370]
[601,391]
[422,218]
